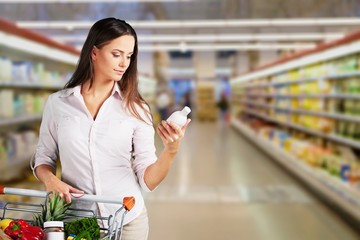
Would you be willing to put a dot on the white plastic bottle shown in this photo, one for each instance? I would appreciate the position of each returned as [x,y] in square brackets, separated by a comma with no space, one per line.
[54,230]
[179,117]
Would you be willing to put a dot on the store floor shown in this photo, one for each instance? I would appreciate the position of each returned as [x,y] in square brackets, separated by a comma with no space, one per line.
[223,188]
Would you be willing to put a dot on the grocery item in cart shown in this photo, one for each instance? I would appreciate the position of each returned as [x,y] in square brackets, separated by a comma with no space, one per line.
[54,230]
[5,223]
[89,224]
[53,210]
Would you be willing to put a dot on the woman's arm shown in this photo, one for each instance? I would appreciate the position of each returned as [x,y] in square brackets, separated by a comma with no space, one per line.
[171,136]
[45,157]
[46,175]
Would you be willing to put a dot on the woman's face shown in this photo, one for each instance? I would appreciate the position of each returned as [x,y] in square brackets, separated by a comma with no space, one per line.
[111,61]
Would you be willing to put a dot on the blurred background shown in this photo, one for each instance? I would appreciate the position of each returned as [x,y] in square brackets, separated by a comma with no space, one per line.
[274,87]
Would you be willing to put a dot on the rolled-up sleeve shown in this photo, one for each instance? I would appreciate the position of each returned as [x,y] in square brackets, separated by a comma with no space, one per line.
[47,148]
[144,151]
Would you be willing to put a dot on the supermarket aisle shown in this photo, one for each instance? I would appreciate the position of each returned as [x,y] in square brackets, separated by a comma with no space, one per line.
[222,188]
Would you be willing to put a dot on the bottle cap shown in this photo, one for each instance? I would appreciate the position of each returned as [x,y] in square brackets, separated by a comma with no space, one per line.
[187,110]
[53,224]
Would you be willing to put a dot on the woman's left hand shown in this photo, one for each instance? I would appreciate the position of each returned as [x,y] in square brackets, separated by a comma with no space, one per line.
[171,135]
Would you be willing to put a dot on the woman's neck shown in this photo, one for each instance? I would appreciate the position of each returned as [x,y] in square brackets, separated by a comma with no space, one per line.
[98,90]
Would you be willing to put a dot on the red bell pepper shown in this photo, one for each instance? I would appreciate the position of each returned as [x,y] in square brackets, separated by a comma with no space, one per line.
[13,230]
[21,230]
[32,233]
[23,224]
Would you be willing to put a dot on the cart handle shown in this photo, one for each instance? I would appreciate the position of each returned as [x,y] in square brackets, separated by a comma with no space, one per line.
[127,202]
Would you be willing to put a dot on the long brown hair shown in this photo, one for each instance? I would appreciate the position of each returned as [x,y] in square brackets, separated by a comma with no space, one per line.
[100,34]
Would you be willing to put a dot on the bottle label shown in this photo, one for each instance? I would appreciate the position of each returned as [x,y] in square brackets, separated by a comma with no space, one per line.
[55,236]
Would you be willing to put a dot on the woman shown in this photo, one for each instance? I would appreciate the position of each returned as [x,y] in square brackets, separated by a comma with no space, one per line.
[101,129]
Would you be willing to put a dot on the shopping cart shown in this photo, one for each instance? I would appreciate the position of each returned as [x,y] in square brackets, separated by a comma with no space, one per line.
[114,226]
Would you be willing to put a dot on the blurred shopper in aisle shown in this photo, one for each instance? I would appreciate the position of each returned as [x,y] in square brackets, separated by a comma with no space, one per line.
[101,129]
[223,106]
[187,102]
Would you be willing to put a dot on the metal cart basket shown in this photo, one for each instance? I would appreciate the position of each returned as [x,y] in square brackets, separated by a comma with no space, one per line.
[114,226]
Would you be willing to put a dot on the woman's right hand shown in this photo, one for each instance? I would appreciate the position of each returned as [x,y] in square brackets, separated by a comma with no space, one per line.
[53,184]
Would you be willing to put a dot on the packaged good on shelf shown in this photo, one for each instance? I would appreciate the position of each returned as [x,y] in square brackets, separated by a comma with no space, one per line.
[17,147]
[294,89]
[352,85]
[351,130]
[326,125]
[330,105]
[340,128]
[339,87]
[293,75]
[325,87]
[298,148]
[354,175]
[312,155]
[19,103]
[345,171]
[348,129]
[21,71]
[349,64]
[6,70]
[6,98]
[279,138]
[332,164]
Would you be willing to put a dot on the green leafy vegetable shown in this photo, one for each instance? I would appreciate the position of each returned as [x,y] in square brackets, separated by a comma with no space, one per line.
[89,225]
[84,234]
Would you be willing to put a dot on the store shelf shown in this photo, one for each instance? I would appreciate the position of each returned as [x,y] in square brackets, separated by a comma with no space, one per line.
[348,45]
[275,93]
[340,193]
[15,168]
[338,76]
[31,86]
[33,66]
[317,78]
[30,43]
[19,120]
[337,116]
[302,96]
[331,137]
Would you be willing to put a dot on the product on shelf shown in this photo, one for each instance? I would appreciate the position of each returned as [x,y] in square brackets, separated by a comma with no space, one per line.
[16,149]
[19,103]
[338,161]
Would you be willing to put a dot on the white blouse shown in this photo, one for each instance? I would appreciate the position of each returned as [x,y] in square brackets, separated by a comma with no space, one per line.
[106,156]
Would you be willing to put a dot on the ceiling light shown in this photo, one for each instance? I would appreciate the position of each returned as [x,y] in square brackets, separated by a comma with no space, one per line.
[86,1]
[218,47]
[219,37]
[202,23]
